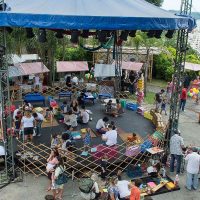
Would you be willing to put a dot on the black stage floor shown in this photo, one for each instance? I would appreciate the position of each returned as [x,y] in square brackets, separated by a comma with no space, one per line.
[130,121]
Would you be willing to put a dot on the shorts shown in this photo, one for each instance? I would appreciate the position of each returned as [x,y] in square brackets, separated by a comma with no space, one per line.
[28,131]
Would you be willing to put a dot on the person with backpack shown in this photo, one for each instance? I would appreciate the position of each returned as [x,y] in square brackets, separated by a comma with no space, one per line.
[89,188]
[58,181]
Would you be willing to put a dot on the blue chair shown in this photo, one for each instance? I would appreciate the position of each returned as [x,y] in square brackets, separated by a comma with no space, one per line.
[105,96]
[35,98]
[65,94]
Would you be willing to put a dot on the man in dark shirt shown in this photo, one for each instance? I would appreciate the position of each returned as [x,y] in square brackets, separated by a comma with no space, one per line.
[158,99]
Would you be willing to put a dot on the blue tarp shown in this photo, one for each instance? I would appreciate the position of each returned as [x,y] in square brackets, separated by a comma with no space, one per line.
[90,14]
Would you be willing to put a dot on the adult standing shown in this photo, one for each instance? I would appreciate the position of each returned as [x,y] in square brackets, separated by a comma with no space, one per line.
[135,191]
[37,81]
[183,99]
[94,192]
[52,161]
[124,189]
[131,82]
[39,118]
[28,123]
[176,145]
[58,189]
[193,165]
[101,125]
[110,137]
[158,99]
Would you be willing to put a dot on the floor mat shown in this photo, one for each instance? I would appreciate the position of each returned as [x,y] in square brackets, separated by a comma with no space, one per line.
[49,124]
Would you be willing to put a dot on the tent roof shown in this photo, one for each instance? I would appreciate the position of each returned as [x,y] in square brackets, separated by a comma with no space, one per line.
[133,66]
[192,66]
[14,58]
[23,69]
[90,14]
[14,71]
[71,66]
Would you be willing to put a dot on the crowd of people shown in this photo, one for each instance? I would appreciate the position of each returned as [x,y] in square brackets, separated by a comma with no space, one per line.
[28,121]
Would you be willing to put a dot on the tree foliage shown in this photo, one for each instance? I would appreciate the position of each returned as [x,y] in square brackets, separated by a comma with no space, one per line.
[156,2]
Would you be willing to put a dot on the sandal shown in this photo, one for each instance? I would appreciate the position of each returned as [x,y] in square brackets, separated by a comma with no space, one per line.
[48,189]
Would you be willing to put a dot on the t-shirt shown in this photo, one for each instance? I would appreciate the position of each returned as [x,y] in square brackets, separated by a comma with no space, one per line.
[27,122]
[193,163]
[85,117]
[75,79]
[40,117]
[37,80]
[184,94]
[158,97]
[135,193]
[15,113]
[100,124]
[111,137]
[123,188]
[176,142]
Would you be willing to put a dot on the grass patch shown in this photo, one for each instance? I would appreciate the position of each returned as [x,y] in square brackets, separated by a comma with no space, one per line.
[149,99]
[158,82]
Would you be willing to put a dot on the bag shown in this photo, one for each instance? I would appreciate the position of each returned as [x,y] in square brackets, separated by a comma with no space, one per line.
[86,185]
[62,179]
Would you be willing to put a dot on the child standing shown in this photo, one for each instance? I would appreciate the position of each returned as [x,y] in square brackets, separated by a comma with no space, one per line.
[104,164]
[163,106]
[86,139]
[140,96]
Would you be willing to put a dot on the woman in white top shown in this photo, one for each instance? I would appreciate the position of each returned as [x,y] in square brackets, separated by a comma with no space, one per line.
[28,123]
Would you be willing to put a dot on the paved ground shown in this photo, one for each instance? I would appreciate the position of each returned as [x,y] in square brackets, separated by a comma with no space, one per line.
[34,188]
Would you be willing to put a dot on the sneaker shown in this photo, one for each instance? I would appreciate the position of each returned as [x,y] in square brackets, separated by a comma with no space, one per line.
[39,135]
[34,134]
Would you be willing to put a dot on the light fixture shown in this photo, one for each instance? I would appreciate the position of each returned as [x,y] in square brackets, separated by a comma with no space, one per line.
[29,33]
[85,34]
[132,33]
[42,36]
[158,34]
[9,30]
[3,6]
[151,33]
[59,34]
[170,34]
[74,36]
[124,35]
[102,36]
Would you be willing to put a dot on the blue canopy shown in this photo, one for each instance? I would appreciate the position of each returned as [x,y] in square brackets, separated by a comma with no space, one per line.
[90,14]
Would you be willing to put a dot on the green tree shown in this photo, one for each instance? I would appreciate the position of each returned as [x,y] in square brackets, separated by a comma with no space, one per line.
[156,2]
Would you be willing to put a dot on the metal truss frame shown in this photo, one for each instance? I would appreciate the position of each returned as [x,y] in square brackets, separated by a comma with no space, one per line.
[178,78]
[8,174]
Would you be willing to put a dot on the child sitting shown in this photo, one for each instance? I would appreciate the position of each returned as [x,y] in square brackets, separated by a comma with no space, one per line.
[132,138]
[163,106]
[54,141]
[86,139]
[109,106]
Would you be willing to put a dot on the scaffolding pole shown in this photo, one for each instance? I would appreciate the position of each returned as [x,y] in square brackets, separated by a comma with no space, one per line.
[178,77]
[8,173]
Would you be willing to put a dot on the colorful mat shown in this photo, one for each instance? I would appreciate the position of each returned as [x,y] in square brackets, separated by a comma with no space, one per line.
[49,124]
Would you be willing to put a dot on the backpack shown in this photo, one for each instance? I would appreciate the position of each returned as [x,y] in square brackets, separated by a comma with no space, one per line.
[86,185]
